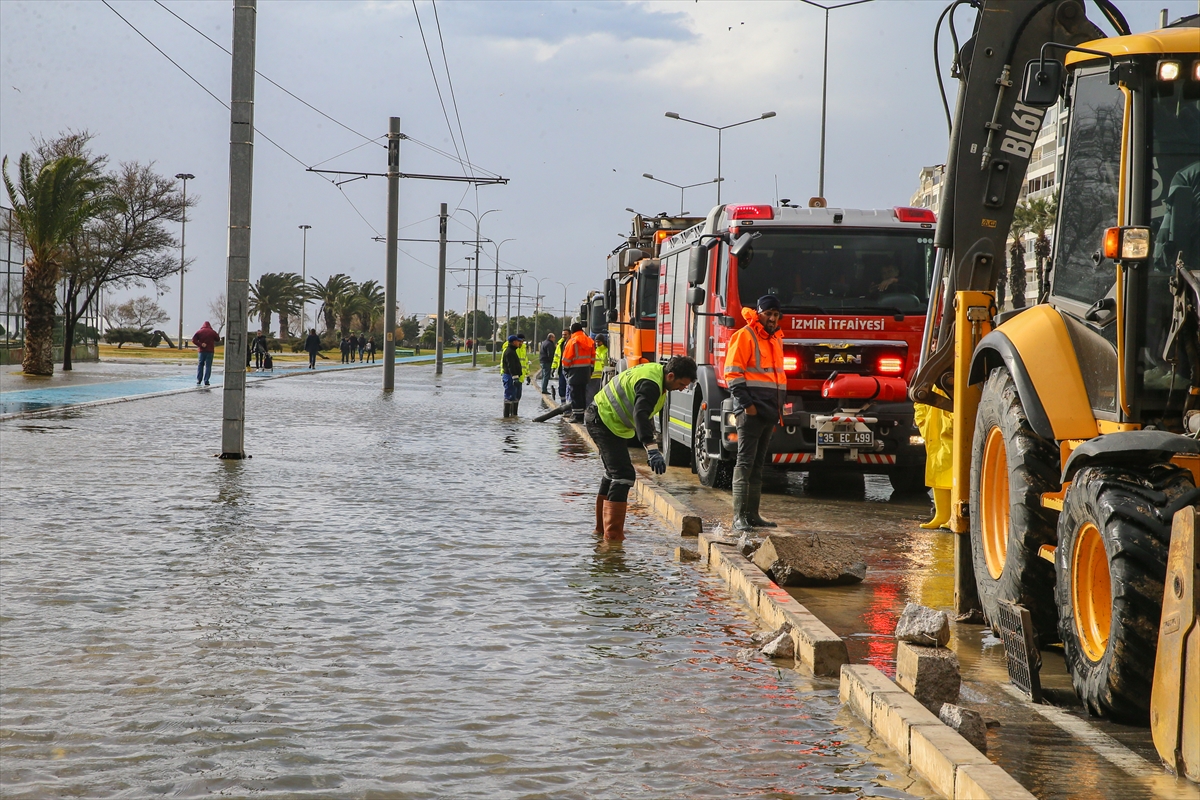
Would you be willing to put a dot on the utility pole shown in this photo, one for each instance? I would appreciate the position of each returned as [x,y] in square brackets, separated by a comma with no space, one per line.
[185,177]
[393,231]
[508,311]
[237,279]
[441,309]
[467,317]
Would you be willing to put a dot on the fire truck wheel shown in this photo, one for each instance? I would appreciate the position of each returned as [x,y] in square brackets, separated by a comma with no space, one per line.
[676,454]
[1011,467]
[713,472]
[1111,561]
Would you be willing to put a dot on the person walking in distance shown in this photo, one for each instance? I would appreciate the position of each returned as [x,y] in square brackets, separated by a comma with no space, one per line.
[362,346]
[344,346]
[511,369]
[205,340]
[625,408]
[371,350]
[755,376]
[578,358]
[312,345]
[546,359]
[259,347]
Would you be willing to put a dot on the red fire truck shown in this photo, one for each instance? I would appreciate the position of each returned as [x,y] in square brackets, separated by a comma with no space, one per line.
[854,286]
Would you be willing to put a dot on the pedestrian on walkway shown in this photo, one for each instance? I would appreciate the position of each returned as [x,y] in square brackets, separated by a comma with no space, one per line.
[510,375]
[578,359]
[205,340]
[362,346]
[371,350]
[259,346]
[312,346]
[546,360]
[345,346]
[625,409]
[756,380]
[593,384]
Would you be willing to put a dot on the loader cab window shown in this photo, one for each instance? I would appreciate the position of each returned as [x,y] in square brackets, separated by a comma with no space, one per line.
[1088,203]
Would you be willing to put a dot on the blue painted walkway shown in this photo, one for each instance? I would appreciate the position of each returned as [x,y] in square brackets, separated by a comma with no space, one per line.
[26,401]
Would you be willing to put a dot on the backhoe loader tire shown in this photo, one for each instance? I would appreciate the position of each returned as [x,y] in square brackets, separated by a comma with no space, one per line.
[1008,522]
[1113,537]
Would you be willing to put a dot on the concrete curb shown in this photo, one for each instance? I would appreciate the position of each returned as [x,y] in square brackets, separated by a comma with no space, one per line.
[935,751]
[950,764]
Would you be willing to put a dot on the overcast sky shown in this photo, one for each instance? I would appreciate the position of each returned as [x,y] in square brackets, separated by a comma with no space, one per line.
[566,99]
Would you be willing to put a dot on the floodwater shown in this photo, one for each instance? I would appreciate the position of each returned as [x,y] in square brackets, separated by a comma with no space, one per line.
[397,596]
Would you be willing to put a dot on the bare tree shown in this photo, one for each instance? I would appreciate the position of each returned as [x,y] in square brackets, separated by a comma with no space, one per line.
[141,312]
[217,307]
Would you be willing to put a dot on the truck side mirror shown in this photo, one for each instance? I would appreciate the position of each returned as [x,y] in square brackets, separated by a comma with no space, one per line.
[1042,83]
[631,257]
[741,248]
[695,296]
[610,315]
[697,263]
[610,293]
[583,314]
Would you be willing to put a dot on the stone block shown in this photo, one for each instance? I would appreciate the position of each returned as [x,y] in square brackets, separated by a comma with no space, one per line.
[782,646]
[930,674]
[921,625]
[969,724]
[858,682]
[808,559]
[690,526]
[936,753]
[684,554]
[762,637]
[893,715]
[987,782]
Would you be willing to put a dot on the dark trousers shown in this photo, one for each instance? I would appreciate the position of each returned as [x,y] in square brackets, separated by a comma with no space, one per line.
[258,359]
[512,387]
[578,377]
[754,437]
[619,475]
[312,359]
[545,377]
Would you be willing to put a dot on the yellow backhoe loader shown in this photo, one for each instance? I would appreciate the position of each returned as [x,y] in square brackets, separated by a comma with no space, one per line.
[1076,450]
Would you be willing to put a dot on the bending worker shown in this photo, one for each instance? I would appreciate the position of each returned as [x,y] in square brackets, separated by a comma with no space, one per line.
[755,376]
[625,408]
[578,358]
[511,370]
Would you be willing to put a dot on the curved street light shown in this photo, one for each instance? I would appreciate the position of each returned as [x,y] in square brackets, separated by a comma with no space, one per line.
[566,319]
[496,296]
[681,188]
[475,317]
[304,278]
[720,129]
[185,177]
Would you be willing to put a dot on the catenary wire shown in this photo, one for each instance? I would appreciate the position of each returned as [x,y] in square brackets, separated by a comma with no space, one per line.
[450,82]
[436,84]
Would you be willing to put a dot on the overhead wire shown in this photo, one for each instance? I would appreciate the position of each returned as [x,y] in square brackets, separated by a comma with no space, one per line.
[450,82]
[436,84]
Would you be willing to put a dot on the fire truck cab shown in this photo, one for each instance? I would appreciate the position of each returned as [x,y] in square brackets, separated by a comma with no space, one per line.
[854,287]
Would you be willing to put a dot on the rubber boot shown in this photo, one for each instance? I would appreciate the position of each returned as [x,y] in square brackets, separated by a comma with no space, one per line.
[614,521]
[515,405]
[507,408]
[740,505]
[941,510]
[600,500]
[753,499]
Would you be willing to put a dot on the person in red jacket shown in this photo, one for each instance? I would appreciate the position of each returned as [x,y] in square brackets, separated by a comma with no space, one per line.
[578,359]
[206,343]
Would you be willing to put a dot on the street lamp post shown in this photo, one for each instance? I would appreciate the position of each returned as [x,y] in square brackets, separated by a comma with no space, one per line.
[496,295]
[721,129]
[681,188]
[566,319]
[825,82]
[537,297]
[304,279]
[185,177]
[475,317]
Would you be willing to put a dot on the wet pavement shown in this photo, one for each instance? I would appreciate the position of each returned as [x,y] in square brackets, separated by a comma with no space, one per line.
[397,596]
[1053,750]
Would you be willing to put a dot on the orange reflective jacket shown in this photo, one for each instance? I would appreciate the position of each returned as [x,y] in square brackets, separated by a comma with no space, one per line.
[754,362]
[579,352]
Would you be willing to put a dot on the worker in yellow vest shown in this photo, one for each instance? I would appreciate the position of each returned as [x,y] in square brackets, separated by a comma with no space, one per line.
[556,366]
[593,385]
[625,408]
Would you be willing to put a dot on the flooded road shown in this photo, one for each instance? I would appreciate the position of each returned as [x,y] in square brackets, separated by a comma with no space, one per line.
[395,597]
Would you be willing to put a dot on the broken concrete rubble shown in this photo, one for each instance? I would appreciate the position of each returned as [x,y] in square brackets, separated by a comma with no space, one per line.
[810,559]
[922,625]
[969,724]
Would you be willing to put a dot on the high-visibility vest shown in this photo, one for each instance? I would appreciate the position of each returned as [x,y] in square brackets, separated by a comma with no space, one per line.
[601,360]
[579,352]
[558,350]
[754,361]
[523,354]
[614,402]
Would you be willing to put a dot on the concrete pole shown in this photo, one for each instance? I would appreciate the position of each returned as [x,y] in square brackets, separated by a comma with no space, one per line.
[824,94]
[185,177]
[237,280]
[441,309]
[467,304]
[495,304]
[475,305]
[304,280]
[393,231]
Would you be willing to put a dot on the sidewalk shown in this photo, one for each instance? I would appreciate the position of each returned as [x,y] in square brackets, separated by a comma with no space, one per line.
[96,383]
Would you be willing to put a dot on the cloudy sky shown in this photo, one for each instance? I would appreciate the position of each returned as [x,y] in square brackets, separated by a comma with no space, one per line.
[566,99]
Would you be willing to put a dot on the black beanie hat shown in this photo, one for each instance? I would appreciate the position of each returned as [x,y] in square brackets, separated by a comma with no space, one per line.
[769,302]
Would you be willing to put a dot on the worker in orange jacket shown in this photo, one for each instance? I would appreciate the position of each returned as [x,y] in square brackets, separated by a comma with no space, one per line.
[578,359]
[756,380]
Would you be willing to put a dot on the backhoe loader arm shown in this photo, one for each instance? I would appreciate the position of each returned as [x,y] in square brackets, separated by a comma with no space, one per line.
[990,145]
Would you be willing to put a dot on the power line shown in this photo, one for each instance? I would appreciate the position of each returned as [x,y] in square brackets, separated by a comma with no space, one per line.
[431,148]
[437,85]
[356,211]
[265,78]
[450,82]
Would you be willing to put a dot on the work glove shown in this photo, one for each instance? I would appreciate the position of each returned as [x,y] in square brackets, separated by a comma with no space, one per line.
[654,458]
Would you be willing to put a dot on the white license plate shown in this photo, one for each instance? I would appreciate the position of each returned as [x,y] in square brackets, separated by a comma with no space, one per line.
[846,438]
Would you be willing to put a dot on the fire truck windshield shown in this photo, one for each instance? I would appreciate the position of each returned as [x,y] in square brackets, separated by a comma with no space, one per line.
[844,271]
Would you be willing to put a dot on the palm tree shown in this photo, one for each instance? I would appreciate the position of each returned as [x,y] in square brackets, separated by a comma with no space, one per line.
[328,293]
[345,308]
[1039,216]
[292,294]
[264,299]
[52,201]
[1016,253]
[372,305]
